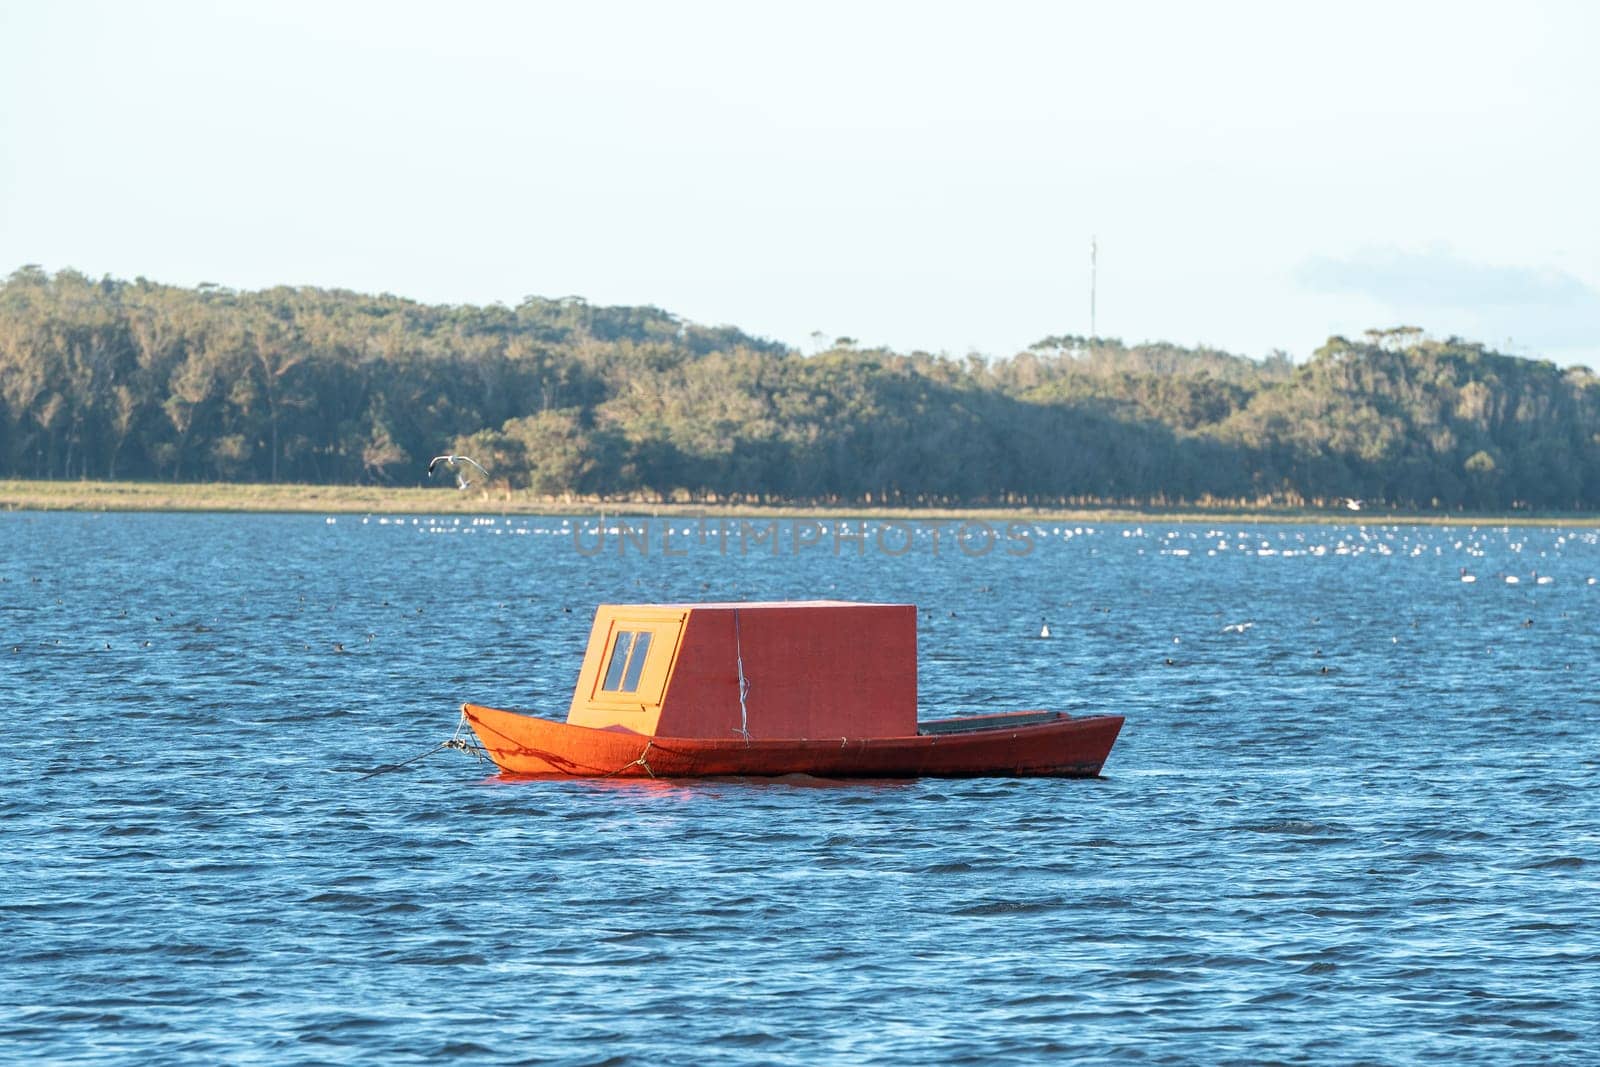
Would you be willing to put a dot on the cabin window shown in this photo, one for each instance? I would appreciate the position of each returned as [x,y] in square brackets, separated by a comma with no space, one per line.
[641,649]
[628,653]
[632,661]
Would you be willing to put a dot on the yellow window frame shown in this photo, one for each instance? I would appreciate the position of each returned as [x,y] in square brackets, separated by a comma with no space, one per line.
[652,674]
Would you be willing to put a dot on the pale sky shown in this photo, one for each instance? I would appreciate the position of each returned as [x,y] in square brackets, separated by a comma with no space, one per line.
[920,175]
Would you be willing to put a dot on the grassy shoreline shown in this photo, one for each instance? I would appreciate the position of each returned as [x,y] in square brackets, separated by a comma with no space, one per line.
[19,495]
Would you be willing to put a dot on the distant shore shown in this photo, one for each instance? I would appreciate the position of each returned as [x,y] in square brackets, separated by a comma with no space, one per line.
[17,495]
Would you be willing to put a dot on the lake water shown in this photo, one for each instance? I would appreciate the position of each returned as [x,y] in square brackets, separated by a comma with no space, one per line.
[1354,814]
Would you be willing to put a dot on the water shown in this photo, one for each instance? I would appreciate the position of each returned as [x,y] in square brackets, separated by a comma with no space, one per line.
[1353,816]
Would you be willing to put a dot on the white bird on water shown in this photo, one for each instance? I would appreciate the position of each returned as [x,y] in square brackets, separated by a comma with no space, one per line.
[1044,631]
[453,464]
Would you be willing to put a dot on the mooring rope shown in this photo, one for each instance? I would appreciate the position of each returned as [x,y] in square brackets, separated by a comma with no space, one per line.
[744,683]
[456,741]
[642,761]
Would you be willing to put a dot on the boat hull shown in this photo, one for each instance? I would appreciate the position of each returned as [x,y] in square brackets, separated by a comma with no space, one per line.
[1011,745]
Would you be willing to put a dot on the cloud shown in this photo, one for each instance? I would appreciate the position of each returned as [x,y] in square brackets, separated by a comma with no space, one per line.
[1541,308]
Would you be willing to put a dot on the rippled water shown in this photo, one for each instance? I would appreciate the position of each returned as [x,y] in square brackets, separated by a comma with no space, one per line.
[1353,815]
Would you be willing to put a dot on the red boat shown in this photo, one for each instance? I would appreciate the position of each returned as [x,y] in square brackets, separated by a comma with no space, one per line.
[763,689]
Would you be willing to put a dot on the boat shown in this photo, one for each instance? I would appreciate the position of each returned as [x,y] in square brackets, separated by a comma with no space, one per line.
[820,688]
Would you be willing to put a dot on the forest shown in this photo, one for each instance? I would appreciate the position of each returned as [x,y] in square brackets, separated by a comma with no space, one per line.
[113,379]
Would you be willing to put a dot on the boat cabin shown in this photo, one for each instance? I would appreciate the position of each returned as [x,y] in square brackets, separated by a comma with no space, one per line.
[801,669]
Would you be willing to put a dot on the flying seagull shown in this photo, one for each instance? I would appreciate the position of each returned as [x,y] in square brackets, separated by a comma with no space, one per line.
[1354,505]
[452,463]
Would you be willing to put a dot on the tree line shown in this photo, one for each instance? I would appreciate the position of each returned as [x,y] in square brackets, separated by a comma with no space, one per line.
[115,379]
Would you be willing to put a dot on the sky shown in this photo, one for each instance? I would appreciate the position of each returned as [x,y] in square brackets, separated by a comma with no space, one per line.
[1256,176]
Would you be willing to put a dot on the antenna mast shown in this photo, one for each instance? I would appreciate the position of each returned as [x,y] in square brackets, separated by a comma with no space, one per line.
[1094,250]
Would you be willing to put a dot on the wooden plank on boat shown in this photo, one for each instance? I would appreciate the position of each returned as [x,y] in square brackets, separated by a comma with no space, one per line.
[985,722]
